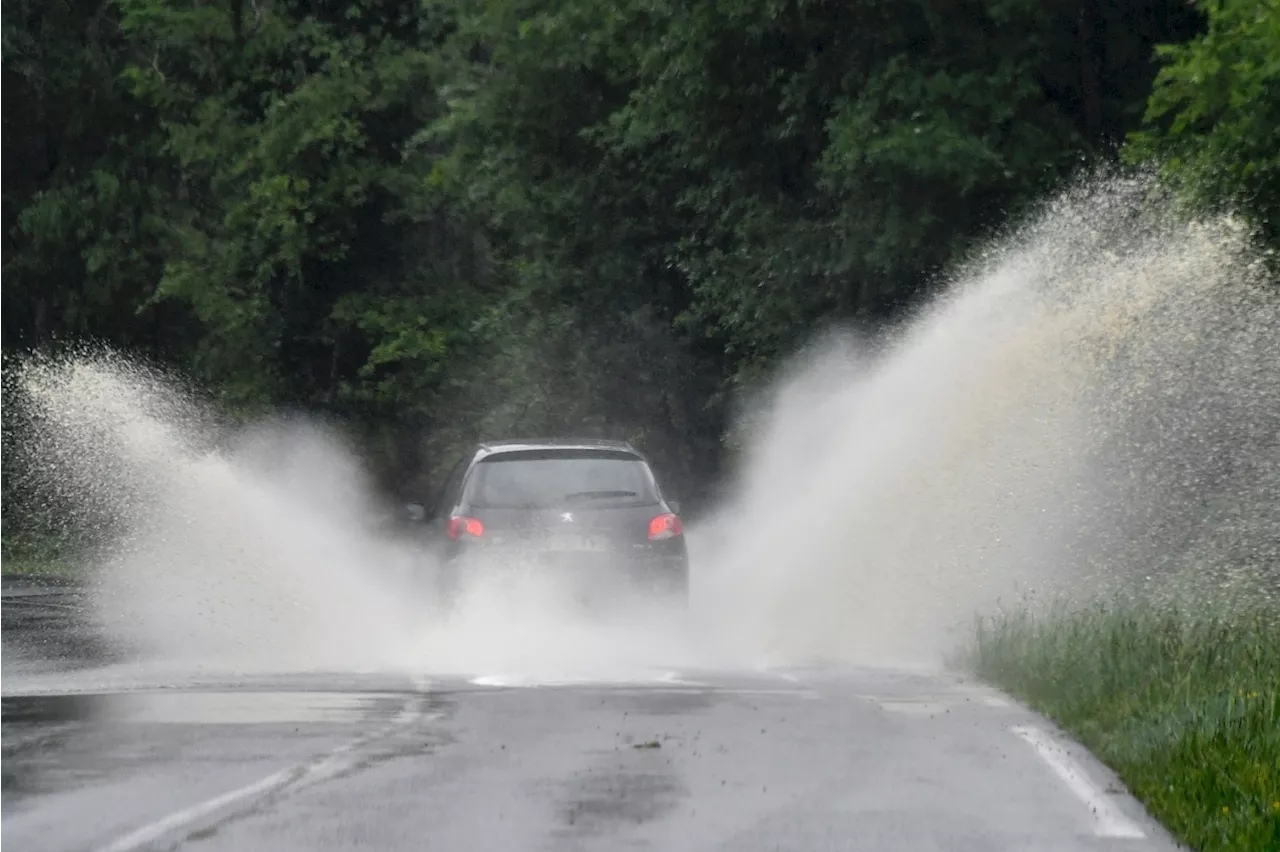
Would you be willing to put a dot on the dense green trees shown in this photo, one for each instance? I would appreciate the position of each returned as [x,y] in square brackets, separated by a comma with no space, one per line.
[1214,114]
[440,219]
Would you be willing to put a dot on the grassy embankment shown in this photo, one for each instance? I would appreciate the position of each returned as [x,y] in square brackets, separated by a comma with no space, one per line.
[1184,705]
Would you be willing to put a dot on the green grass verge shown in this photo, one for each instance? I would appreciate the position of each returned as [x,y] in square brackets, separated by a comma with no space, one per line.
[1184,706]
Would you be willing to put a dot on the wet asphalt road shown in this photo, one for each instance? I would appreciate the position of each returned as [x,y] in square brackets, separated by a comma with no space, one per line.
[851,759]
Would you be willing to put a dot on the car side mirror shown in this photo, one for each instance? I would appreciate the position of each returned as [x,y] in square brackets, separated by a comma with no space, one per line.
[416,512]
[674,504]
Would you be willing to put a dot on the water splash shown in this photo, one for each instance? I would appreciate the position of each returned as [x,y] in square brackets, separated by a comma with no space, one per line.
[240,551]
[1094,404]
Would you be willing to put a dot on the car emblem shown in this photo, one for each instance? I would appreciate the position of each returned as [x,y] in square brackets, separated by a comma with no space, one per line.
[567,517]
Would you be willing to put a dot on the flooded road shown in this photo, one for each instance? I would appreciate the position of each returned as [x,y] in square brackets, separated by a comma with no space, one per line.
[104,757]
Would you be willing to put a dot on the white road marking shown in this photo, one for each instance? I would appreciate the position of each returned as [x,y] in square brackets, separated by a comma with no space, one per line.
[154,831]
[326,766]
[1109,822]
[508,685]
[995,701]
[527,681]
[675,678]
[532,681]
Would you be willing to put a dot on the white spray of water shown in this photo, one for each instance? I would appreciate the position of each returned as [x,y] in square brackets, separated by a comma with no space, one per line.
[1064,422]
[258,555]
[1097,385]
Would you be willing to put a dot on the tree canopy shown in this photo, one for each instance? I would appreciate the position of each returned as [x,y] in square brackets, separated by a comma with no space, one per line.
[1213,117]
[440,220]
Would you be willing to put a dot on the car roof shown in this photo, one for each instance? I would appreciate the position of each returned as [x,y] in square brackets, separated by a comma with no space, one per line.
[521,445]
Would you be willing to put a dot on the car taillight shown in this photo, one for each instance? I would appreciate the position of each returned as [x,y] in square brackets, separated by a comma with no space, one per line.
[460,525]
[665,526]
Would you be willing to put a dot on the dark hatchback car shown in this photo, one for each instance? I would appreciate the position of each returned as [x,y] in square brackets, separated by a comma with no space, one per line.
[592,509]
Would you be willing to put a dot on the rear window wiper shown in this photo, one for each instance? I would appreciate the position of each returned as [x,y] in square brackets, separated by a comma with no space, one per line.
[598,495]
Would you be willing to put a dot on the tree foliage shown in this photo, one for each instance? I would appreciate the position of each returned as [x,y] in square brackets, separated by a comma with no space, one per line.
[1214,112]
[447,219]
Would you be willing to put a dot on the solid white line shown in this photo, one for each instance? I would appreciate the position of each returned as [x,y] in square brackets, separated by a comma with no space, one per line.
[154,831]
[1109,821]
[325,766]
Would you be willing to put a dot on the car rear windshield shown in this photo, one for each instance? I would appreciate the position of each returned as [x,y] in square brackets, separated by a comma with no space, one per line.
[544,479]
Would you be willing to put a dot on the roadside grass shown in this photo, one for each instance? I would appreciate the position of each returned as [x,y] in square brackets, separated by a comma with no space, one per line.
[1182,703]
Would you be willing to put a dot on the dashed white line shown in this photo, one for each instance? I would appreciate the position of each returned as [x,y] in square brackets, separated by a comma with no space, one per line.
[1108,821]
[326,766]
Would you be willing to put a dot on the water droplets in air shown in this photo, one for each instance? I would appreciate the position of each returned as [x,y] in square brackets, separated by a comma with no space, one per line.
[1095,401]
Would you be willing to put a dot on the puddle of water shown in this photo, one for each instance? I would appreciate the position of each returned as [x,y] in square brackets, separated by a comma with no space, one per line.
[48,709]
[196,707]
